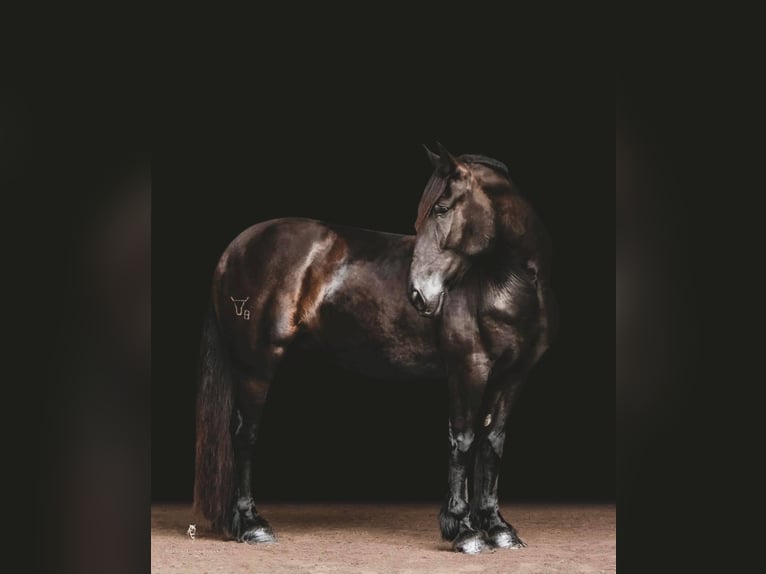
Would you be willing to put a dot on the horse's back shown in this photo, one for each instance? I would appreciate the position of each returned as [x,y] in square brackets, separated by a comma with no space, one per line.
[284,233]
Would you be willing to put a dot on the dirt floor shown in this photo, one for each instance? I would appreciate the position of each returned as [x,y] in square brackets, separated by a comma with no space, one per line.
[395,538]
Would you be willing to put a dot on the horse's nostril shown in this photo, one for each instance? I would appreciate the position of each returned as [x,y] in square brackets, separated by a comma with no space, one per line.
[418,301]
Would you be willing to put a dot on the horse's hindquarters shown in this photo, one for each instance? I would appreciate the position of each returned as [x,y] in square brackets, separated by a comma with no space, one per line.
[267,284]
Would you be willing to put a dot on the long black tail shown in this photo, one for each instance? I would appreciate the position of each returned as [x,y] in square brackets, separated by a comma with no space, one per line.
[215,465]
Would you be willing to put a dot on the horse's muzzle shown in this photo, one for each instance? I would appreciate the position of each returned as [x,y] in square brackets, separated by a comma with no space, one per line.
[422,307]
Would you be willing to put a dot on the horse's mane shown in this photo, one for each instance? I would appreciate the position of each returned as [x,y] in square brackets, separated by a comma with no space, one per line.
[484,160]
[436,184]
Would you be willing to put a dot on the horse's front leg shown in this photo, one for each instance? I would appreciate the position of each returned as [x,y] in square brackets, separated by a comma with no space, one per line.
[489,442]
[465,389]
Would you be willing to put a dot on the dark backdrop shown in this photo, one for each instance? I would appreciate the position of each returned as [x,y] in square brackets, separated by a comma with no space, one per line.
[329,434]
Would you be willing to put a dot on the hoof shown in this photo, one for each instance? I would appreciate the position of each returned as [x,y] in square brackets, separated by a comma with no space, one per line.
[502,537]
[449,524]
[259,535]
[248,526]
[451,516]
[469,542]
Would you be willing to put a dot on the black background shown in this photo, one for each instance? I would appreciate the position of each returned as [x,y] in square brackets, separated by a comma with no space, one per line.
[686,423]
[329,434]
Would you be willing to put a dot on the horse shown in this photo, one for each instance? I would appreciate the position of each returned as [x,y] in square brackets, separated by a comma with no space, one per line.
[466,299]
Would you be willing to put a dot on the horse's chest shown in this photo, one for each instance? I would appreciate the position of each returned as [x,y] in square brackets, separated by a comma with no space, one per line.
[510,305]
[506,322]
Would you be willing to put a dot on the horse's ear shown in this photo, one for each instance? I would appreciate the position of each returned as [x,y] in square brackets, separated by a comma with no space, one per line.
[447,163]
[432,157]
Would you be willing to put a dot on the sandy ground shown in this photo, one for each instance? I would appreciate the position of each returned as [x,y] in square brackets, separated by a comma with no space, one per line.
[382,539]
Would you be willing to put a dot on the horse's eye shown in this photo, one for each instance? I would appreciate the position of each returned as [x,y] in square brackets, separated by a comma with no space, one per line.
[440,209]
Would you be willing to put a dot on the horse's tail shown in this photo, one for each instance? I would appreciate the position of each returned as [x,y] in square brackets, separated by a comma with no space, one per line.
[214,465]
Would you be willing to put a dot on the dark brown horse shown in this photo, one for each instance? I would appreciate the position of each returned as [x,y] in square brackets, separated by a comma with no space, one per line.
[467,299]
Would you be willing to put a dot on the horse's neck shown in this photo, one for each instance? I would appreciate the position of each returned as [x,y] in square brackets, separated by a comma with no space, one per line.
[521,236]
[504,257]
[503,269]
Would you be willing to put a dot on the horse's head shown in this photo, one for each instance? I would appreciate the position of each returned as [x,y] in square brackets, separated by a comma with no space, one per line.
[455,224]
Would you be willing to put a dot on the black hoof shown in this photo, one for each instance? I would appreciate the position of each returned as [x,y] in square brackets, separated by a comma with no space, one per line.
[449,524]
[469,542]
[259,535]
[249,526]
[451,516]
[504,537]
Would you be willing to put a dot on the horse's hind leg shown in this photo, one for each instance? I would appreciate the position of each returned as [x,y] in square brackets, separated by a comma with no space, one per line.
[247,525]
